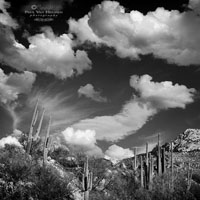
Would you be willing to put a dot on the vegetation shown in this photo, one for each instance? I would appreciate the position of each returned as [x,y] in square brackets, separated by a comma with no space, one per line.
[24,177]
[37,170]
[21,177]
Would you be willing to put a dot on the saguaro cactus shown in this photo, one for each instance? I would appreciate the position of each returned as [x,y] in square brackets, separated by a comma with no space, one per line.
[47,143]
[86,180]
[39,126]
[172,168]
[30,136]
[135,159]
[159,157]
[141,172]
[163,160]
[189,177]
[150,171]
[147,167]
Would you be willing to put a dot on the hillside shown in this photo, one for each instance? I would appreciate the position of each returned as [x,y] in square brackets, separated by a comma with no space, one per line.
[59,174]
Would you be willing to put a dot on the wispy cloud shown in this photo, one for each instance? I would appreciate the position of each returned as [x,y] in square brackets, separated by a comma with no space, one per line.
[152,97]
[59,104]
[11,86]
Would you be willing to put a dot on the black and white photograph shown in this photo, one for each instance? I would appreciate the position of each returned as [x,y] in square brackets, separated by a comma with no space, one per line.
[99,100]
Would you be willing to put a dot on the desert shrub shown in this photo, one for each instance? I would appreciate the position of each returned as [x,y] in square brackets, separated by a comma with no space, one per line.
[48,185]
[162,191]
[62,155]
[21,178]
[15,164]
[15,170]
[196,177]
[122,186]
[142,194]
[195,190]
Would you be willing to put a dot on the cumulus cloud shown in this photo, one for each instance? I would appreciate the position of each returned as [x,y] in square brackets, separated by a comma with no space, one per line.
[47,52]
[5,17]
[53,54]
[117,153]
[82,140]
[10,141]
[79,137]
[165,34]
[152,97]
[89,92]
[162,95]
[14,84]
[195,5]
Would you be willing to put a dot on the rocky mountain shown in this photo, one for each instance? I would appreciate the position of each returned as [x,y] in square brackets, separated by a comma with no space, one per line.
[187,141]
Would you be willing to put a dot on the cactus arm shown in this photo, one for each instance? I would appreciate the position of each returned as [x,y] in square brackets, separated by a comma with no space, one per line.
[45,148]
[50,139]
[39,126]
[189,177]
[34,119]
[90,181]
[83,182]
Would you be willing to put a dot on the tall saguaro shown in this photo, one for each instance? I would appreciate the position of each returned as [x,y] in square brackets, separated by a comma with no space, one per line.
[141,172]
[147,167]
[172,168]
[163,160]
[33,122]
[135,158]
[159,157]
[150,171]
[86,180]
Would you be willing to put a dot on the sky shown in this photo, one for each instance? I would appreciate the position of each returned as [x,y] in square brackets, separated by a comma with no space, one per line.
[112,74]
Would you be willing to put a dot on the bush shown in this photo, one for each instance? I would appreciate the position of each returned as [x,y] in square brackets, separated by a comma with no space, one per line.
[48,185]
[21,178]
[195,190]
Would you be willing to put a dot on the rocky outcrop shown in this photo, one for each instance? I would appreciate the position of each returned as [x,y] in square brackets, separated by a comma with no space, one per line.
[187,141]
